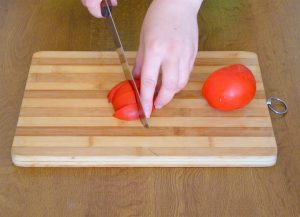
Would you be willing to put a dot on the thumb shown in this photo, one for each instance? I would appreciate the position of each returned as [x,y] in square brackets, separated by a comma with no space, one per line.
[94,6]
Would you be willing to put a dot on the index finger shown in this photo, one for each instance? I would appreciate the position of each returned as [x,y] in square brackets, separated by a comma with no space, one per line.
[149,76]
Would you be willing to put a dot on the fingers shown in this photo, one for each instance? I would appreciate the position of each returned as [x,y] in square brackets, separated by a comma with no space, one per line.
[137,69]
[184,73]
[169,83]
[149,75]
[94,6]
[186,65]
[193,57]
[114,2]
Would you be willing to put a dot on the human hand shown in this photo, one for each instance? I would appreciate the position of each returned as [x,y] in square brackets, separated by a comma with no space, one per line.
[168,42]
[94,6]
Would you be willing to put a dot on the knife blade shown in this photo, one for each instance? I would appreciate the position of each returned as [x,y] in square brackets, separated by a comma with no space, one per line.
[106,12]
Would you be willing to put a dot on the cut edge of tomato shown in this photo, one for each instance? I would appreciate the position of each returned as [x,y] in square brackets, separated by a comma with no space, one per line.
[127,113]
[113,91]
[126,98]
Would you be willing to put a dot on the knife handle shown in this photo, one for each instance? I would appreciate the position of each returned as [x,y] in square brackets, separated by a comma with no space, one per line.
[104,9]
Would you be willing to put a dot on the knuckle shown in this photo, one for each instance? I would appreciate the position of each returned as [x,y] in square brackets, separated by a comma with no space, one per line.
[148,82]
[170,86]
[181,84]
[147,102]
[154,46]
[175,44]
[89,3]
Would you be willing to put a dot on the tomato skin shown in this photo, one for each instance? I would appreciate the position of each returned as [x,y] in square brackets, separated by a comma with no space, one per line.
[230,88]
[127,113]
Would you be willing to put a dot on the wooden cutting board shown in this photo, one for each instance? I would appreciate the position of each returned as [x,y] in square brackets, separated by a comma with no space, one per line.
[65,119]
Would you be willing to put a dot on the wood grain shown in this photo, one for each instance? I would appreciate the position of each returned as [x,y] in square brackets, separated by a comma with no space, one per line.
[180,115]
[270,28]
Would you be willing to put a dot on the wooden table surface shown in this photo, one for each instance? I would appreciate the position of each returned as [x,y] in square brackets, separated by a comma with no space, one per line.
[269,27]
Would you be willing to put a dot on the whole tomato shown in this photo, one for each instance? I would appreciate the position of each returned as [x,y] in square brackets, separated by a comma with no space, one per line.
[122,97]
[230,88]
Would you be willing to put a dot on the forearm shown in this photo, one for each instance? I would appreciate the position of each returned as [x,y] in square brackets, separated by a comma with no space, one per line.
[191,5]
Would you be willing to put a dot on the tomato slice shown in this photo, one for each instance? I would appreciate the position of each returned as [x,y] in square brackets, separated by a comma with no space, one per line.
[113,91]
[123,99]
[120,88]
[127,113]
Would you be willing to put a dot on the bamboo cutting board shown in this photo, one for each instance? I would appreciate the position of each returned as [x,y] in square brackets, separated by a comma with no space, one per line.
[65,119]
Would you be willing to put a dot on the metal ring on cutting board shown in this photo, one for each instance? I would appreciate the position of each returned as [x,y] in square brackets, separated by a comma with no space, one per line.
[282,102]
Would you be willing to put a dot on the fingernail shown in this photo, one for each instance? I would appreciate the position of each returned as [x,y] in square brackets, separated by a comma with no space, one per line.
[147,113]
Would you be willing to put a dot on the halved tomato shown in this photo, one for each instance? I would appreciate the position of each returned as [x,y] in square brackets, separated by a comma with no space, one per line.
[113,91]
[120,88]
[122,97]
[128,113]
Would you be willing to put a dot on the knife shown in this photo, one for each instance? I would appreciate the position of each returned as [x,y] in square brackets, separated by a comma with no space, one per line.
[106,12]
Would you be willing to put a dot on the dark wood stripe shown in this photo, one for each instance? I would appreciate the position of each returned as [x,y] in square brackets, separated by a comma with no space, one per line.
[139,131]
[86,77]
[166,112]
[185,94]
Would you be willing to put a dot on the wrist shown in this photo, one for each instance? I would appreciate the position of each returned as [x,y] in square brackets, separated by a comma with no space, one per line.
[193,3]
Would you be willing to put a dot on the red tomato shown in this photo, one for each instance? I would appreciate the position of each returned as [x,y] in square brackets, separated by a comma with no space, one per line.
[120,88]
[122,97]
[113,91]
[128,113]
[230,88]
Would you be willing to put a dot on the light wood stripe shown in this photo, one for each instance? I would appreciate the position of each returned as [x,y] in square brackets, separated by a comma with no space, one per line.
[154,122]
[103,103]
[103,141]
[77,69]
[140,151]
[153,131]
[147,161]
[101,85]
[205,111]
[115,69]
[153,141]
[69,94]
[76,77]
